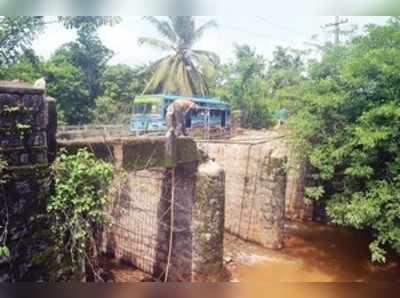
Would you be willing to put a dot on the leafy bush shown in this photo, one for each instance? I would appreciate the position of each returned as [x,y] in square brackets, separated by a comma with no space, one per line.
[77,212]
[348,126]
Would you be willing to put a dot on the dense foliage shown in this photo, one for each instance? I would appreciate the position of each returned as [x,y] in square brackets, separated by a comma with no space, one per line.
[258,87]
[348,127]
[77,213]
[120,84]
[88,52]
[246,88]
[16,35]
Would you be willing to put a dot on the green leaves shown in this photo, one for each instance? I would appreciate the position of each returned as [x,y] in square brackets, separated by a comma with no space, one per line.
[349,124]
[77,209]
[4,252]
[16,36]
[314,193]
[181,72]
[245,88]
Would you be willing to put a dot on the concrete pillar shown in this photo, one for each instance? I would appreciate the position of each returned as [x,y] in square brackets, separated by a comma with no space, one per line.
[208,222]
[273,206]
[197,250]
[296,205]
[140,212]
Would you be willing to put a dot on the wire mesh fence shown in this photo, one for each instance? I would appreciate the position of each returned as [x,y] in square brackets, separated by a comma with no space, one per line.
[255,188]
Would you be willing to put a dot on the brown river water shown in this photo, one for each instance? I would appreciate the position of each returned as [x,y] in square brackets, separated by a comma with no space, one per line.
[312,252]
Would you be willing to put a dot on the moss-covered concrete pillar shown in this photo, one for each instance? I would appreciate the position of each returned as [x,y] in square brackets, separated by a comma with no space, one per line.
[273,205]
[188,242]
[208,222]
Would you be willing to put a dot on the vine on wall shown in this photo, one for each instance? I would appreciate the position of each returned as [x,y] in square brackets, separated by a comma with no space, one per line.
[77,214]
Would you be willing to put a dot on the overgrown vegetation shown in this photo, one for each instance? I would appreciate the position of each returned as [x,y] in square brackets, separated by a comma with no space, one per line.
[77,214]
[344,106]
[347,125]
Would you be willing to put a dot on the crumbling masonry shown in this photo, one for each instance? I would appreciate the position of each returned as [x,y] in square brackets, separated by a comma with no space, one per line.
[27,145]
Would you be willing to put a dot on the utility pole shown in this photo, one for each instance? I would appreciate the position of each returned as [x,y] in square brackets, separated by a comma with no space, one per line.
[338,22]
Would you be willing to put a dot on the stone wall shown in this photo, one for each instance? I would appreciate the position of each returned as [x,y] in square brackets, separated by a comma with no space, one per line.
[140,212]
[24,134]
[255,188]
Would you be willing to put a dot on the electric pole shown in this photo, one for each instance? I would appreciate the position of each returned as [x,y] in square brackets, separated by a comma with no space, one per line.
[338,22]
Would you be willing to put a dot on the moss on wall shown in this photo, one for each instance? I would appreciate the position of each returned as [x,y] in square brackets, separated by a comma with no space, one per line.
[23,198]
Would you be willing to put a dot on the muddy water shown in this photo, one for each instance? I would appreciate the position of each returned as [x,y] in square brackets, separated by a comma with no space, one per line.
[313,253]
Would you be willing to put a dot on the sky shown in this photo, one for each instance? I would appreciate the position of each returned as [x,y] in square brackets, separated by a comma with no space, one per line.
[264,33]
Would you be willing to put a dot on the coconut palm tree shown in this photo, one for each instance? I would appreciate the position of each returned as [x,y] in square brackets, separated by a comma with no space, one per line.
[179,72]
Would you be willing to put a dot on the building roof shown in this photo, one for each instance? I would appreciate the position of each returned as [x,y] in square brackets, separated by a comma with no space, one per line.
[213,101]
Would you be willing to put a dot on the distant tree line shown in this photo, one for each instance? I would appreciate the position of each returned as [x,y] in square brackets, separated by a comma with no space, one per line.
[90,90]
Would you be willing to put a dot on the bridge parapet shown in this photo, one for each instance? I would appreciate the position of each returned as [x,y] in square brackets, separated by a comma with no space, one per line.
[136,153]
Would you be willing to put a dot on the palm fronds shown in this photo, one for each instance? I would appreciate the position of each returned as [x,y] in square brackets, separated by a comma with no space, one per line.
[163,27]
[179,73]
[156,43]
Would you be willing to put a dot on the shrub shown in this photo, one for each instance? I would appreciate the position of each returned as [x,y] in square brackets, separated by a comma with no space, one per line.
[77,213]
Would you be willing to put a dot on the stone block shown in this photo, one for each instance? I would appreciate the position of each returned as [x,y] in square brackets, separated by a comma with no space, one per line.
[25,156]
[23,144]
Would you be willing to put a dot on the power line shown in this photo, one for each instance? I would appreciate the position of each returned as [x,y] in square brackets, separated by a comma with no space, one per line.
[282,26]
[266,36]
[263,35]
[269,37]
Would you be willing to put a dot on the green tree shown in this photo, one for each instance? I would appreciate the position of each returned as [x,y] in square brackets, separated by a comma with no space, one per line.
[245,87]
[28,68]
[348,127]
[121,83]
[68,87]
[286,79]
[85,61]
[16,35]
[179,72]
[285,69]
[88,52]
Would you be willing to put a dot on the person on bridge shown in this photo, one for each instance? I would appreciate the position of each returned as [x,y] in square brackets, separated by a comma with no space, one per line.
[177,112]
[43,81]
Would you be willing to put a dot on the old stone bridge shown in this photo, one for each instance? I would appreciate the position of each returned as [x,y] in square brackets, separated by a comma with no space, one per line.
[165,213]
